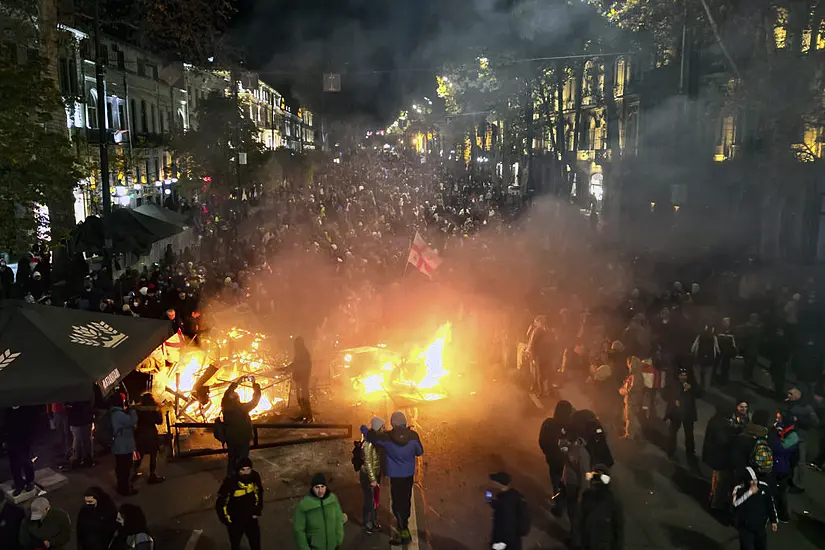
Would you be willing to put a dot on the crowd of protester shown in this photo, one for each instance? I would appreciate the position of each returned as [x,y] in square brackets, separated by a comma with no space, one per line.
[642,348]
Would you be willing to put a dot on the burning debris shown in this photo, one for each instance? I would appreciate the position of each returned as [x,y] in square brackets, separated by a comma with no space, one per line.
[415,376]
[199,379]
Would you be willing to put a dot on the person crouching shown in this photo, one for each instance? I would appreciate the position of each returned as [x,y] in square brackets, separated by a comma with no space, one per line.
[240,503]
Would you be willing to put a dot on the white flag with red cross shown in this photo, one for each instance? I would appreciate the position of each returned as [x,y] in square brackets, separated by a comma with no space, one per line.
[424,258]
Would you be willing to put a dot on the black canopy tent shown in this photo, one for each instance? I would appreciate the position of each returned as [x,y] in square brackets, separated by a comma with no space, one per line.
[130,231]
[50,354]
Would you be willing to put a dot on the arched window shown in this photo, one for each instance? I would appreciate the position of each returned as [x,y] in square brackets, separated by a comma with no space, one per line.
[91,108]
[144,126]
[154,119]
[181,120]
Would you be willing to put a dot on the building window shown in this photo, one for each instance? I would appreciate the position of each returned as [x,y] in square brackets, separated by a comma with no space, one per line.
[132,117]
[144,124]
[154,119]
[162,122]
[110,117]
[121,60]
[91,109]
[141,69]
[121,115]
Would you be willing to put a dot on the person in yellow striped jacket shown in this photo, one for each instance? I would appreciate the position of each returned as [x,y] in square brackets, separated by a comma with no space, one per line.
[239,505]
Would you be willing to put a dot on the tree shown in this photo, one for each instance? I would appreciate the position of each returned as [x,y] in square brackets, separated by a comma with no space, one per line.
[211,149]
[37,166]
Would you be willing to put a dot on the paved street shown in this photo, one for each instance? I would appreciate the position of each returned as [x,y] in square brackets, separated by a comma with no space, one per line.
[484,429]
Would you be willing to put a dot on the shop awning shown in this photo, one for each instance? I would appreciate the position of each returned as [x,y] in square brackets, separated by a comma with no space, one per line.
[50,354]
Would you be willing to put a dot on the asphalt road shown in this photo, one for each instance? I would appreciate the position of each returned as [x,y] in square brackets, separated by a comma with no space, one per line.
[487,425]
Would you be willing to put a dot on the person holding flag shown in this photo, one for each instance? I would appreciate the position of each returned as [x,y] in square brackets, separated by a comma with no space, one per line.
[423,257]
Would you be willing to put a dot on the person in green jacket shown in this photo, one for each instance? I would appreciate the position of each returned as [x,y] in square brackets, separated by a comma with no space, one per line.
[46,527]
[319,521]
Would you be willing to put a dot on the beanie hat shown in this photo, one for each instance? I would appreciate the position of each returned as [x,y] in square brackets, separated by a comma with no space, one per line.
[376,423]
[243,462]
[318,479]
[398,420]
[762,418]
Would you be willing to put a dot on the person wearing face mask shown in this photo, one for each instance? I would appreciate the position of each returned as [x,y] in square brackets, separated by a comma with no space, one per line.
[319,520]
[96,521]
[45,528]
[239,505]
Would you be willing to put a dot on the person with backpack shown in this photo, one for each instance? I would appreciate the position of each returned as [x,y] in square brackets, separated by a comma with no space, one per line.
[705,350]
[576,467]
[123,421]
[586,423]
[402,447]
[235,429]
[751,448]
[511,518]
[239,505]
[602,517]
[753,510]
[366,460]
[784,443]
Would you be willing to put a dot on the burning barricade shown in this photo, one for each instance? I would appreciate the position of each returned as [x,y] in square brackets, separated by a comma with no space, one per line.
[197,381]
[416,376]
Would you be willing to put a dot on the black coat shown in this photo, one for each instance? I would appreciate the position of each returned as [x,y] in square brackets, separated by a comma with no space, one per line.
[686,411]
[240,499]
[510,517]
[716,449]
[18,425]
[11,517]
[96,527]
[602,520]
[80,413]
[146,432]
[741,446]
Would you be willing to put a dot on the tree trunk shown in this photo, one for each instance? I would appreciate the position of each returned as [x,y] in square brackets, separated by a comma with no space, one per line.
[561,142]
[578,80]
[531,133]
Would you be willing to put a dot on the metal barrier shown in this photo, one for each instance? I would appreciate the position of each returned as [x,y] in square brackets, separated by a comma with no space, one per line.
[256,444]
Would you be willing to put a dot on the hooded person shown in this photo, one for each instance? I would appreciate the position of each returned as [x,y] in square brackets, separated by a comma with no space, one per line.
[552,430]
[402,446]
[574,478]
[589,427]
[319,520]
[601,524]
[96,521]
[237,422]
[240,503]
[753,510]
[370,476]
[511,518]
[750,448]
[716,453]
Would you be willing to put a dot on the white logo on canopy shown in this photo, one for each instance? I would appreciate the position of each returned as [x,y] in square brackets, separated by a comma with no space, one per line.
[96,334]
[6,358]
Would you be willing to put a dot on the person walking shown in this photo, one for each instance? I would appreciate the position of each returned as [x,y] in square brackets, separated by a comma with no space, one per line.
[706,352]
[301,368]
[727,350]
[239,505]
[802,406]
[370,476]
[511,518]
[46,527]
[574,482]
[147,437]
[81,415]
[96,521]
[753,510]
[681,413]
[123,421]
[237,423]
[402,446]
[602,516]
[319,520]
[18,427]
[716,451]
[552,430]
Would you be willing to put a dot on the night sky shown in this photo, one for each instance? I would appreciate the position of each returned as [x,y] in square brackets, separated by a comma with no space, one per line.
[381,47]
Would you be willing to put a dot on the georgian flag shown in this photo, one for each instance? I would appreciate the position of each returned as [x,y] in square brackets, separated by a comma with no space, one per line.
[422,257]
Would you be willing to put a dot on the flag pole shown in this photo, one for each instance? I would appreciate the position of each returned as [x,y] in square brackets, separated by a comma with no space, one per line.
[407,262]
